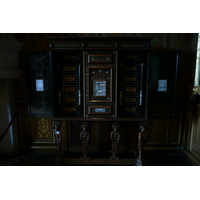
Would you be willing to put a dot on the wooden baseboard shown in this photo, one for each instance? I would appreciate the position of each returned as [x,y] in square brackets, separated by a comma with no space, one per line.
[155,150]
[49,149]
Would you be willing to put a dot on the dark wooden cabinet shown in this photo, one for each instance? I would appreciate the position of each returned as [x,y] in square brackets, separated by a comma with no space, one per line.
[162,83]
[102,80]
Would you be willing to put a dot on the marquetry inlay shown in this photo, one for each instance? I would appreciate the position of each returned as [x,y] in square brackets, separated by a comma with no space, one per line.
[157,129]
[43,128]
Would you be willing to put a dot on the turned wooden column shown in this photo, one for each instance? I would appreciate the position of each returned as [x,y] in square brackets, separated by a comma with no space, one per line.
[58,139]
[85,140]
[115,136]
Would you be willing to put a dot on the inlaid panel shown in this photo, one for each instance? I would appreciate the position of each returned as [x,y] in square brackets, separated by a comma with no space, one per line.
[99,58]
[39,79]
[99,110]
[130,68]
[69,78]
[130,109]
[69,68]
[70,99]
[130,79]
[68,57]
[157,131]
[70,109]
[44,128]
[69,89]
[100,84]
[130,100]
[130,89]
[133,57]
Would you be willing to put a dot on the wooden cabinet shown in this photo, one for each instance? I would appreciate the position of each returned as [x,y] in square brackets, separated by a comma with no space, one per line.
[101,80]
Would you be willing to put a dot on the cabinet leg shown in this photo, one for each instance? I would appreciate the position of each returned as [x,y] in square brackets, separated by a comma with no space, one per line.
[85,140]
[115,136]
[58,139]
[142,126]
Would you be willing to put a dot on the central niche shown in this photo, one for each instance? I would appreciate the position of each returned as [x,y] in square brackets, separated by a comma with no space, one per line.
[100,84]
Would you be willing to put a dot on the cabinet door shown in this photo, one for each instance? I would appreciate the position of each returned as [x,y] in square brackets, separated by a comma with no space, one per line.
[163,70]
[40,86]
[131,84]
[68,83]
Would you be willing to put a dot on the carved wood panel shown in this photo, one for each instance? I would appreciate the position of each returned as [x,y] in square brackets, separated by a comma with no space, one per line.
[163,132]
[35,132]
[43,131]
[157,131]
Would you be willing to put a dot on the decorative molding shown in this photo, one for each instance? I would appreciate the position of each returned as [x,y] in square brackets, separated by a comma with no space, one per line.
[101,45]
[57,43]
[61,46]
[99,119]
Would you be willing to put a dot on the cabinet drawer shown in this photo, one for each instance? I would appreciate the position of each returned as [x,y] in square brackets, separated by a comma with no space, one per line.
[131,79]
[130,109]
[130,100]
[99,110]
[99,58]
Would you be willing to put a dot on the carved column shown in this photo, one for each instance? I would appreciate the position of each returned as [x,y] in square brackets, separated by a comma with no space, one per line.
[115,136]
[85,140]
[142,126]
[58,139]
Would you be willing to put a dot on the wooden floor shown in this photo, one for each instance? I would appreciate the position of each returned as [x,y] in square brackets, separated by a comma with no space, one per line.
[49,159]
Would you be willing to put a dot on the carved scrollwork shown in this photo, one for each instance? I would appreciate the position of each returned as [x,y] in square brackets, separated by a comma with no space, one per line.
[85,140]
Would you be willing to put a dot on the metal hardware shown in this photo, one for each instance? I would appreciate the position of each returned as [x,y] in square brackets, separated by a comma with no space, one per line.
[141,79]
[79,97]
